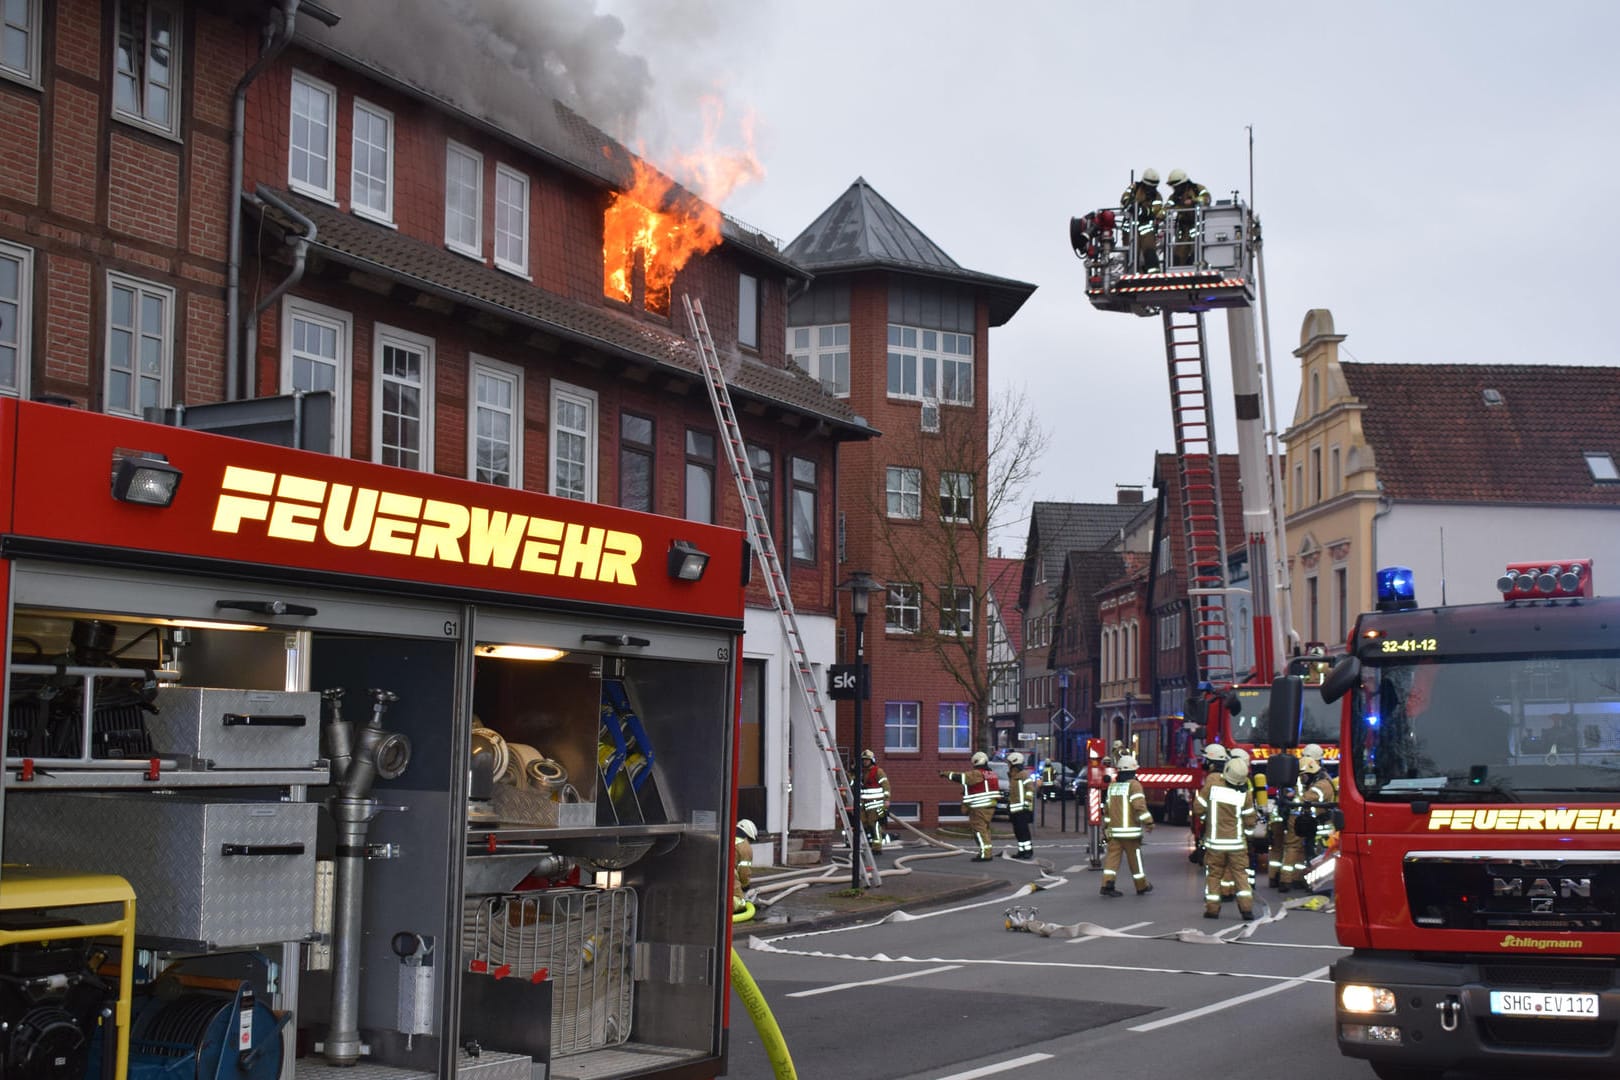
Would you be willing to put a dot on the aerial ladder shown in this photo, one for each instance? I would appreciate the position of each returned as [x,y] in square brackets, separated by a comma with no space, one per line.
[821,719]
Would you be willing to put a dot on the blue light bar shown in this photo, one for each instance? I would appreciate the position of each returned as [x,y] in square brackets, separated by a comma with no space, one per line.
[1396,591]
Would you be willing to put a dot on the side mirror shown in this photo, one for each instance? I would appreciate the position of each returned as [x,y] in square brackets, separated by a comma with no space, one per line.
[1282,719]
[1233,703]
[1344,676]
[1282,771]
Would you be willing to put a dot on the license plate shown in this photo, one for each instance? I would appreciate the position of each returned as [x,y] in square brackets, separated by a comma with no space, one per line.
[1520,1003]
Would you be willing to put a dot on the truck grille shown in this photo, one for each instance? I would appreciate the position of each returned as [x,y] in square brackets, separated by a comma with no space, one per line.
[1591,979]
[1513,1033]
[1512,891]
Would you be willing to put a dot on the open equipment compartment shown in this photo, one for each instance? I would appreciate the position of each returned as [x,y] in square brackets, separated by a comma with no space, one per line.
[393,762]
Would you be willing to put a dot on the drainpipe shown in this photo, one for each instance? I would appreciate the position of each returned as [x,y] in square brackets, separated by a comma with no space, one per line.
[300,245]
[277,34]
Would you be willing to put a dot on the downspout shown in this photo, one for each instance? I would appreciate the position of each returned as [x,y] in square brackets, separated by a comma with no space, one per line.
[277,35]
[300,245]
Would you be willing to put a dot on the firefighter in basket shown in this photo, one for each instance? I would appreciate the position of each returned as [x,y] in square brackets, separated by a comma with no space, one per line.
[1141,210]
[980,793]
[1187,197]
[874,800]
[1311,823]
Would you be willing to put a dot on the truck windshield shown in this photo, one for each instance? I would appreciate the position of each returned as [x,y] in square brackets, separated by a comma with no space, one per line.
[1488,729]
[1318,724]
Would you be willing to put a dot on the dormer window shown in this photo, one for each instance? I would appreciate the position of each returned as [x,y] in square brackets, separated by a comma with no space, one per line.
[1601,464]
[1493,396]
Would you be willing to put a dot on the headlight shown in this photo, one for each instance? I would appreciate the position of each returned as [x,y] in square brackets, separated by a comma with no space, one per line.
[1366,999]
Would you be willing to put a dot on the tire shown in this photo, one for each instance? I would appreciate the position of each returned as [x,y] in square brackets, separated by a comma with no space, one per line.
[1386,1071]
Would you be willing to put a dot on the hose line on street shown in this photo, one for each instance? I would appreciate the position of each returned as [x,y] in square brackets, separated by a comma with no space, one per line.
[770,1036]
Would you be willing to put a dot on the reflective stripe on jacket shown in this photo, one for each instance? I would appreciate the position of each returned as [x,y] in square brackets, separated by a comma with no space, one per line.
[1231,816]
[875,791]
[1022,796]
[1127,809]
[980,789]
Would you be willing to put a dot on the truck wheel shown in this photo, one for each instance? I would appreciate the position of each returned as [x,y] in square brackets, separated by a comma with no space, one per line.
[1403,1072]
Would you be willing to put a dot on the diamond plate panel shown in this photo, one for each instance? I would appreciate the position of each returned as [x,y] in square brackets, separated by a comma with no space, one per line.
[271,728]
[171,850]
[488,1065]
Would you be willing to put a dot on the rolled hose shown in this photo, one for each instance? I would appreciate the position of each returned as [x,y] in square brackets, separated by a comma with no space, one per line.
[770,1036]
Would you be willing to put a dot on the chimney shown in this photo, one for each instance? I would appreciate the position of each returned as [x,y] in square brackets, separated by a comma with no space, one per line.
[1127,493]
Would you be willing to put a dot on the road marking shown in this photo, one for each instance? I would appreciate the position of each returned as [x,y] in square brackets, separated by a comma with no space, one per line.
[991,1070]
[873,982]
[1120,930]
[1241,999]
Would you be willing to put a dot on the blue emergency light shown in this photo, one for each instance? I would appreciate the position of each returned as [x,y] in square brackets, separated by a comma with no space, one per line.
[1396,592]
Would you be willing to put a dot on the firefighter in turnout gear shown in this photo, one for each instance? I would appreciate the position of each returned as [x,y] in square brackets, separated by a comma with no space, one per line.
[1228,813]
[1125,821]
[1214,761]
[980,792]
[1021,803]
[1141,210]
[742,862]
[1309,819]
[1187,197]
[874,800]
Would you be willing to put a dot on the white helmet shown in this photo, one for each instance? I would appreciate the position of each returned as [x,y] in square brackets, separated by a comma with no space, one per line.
[1238,752]
[1150,176]
[747,828]
[1236,771]
[867,755]
[1215,752]
[1312,750]
[1126,763]
[1015,758]
[980,758]
[1178,176]
[1309,766]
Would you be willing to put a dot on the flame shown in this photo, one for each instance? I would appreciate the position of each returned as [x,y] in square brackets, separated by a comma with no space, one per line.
[666,234]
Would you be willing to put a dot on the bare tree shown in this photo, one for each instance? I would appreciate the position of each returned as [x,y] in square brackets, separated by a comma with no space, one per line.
[934,522]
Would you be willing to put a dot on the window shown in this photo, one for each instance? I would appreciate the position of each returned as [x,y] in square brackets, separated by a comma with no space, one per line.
[955,610]
[16,311]
[764,470]
[900,725]
[1341,600]
[146,64]
[636,461]
[930,364]
[1299,485]
[402,410]
[511,220]
[902,609]
[823,352]
[1311,608]
[1316,474]
[140,345]
[905,492]
[748,311]
[573,442]
[955,726]
[19,39]
[1601,465]
[699,476]
[495,453]
[1335,476]
[463,200]
[956,496]
[371,179]
[312,141]
[804,510]
[315,356]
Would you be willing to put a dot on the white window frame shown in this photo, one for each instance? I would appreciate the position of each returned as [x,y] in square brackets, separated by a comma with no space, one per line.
[826,361]
[560,392]
[23,328]
[1600,463]
[169,126]
[902,609]
[904,725]
[748,305]
[342,323]
[923,356]
[328,193]
[951,493]
[903,482]
[519,267]
[383,336]
[384,215]
[140,288]
[31,25]
[513,376]
[952,605]
[453,150]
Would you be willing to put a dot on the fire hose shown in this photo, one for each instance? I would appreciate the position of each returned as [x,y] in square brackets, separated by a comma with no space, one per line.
[770,1036]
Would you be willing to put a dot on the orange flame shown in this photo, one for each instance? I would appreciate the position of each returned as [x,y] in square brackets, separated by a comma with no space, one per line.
[666,237]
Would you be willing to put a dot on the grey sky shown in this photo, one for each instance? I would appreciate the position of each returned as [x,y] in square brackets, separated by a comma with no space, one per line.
[1439,175]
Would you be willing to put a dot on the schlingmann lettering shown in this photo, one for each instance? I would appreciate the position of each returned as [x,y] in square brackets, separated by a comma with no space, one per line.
[307,510]
[1514,941]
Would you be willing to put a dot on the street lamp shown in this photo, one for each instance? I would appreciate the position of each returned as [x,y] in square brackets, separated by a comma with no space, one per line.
[860,586]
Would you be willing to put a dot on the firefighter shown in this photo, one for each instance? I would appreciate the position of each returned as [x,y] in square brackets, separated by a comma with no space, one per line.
[1187,197]
[1127,818]
[1141,210]
[1309,817]
[1228,815]
[742,862]
[1214,761]
[874,800]
[1021,803]
[1277,834]
[980,792]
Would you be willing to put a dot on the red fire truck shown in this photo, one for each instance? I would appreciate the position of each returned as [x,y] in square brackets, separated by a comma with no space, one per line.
[1477,879]
[311,762]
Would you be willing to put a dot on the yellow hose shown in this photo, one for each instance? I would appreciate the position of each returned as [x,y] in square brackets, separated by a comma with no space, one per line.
[769,1034]
[744,913]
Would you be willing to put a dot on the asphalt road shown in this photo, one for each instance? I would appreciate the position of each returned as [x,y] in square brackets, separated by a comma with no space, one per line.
[953,995]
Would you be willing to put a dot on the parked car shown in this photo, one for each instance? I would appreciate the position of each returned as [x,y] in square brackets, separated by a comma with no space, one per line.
[1000,768]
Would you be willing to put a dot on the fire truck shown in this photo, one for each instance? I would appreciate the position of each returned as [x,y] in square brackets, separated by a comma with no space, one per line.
[1478,881]
[313,763]
[1178,263]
